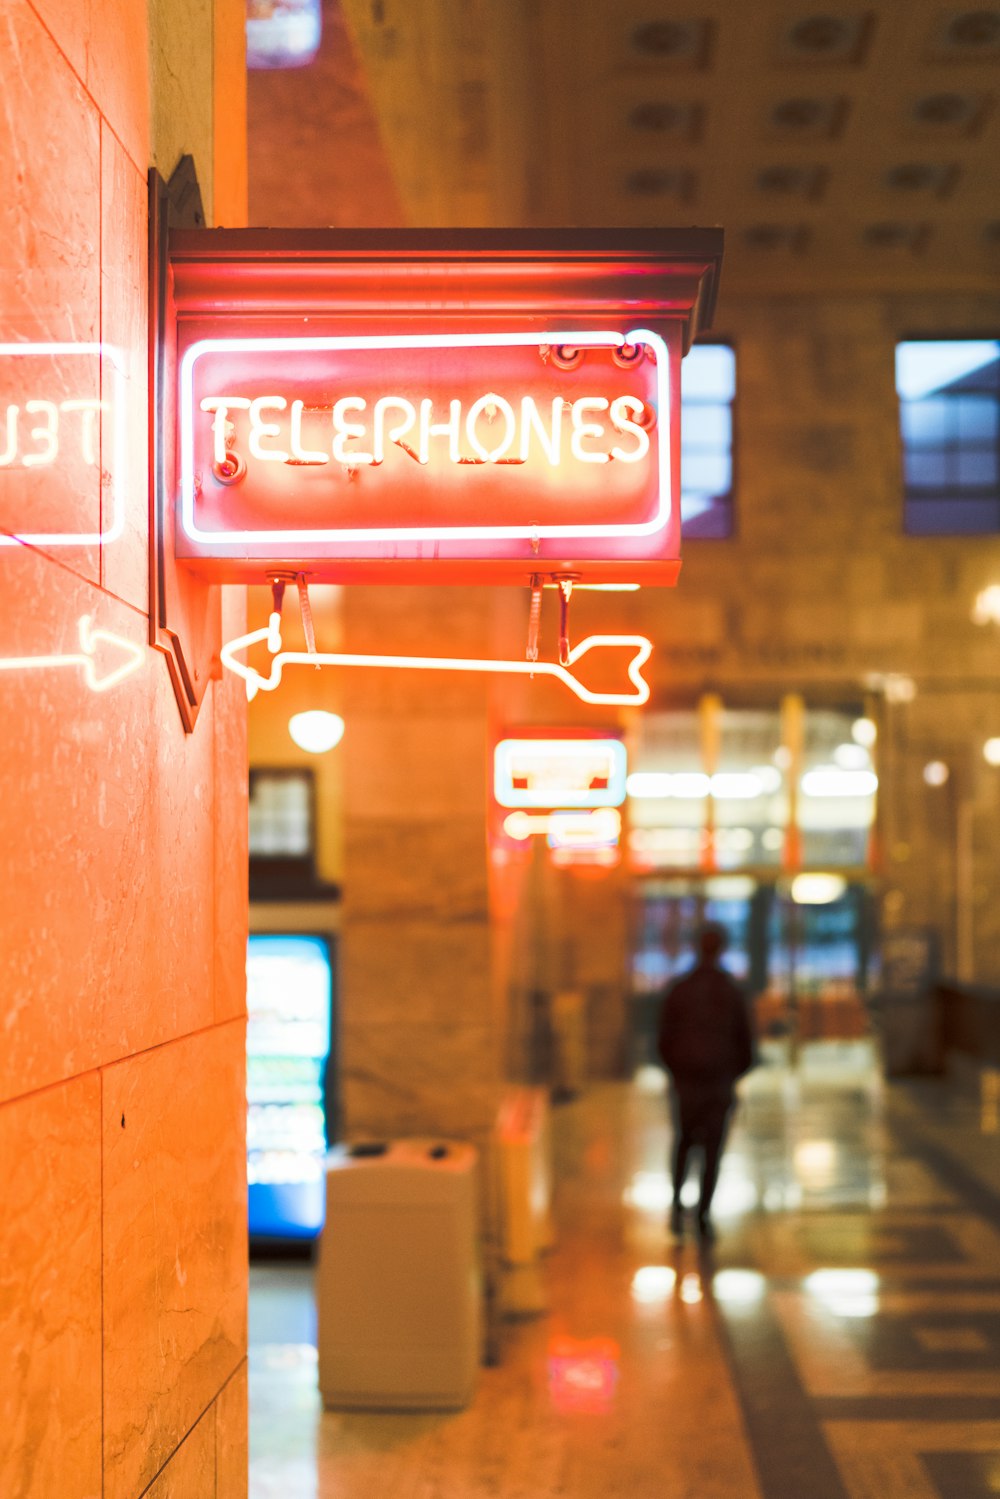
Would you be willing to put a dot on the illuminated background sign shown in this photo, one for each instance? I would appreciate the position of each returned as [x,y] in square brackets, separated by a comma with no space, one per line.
[559,773]
[59,433]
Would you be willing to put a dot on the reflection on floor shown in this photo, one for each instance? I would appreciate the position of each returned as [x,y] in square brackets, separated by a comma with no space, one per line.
[840,1341]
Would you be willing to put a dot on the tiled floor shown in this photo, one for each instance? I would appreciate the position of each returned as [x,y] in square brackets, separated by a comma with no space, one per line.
[841,1341]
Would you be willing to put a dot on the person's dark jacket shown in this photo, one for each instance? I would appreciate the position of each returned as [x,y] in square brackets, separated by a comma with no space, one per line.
[705,1036]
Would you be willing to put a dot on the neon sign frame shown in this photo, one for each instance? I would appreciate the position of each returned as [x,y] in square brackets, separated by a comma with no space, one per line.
[507,795]
[575,338]
[118,468]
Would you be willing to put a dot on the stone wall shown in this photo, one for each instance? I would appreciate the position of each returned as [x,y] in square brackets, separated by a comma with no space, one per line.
[122,840]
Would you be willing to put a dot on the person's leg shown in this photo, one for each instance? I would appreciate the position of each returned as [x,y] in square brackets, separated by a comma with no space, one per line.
[714,1138]
[681,1153]
[682,1150]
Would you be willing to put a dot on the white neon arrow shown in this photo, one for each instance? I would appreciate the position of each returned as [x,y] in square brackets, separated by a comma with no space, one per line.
[256,682]
[134,655]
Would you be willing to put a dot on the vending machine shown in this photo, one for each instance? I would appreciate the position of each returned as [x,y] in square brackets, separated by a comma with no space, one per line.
[289,1028]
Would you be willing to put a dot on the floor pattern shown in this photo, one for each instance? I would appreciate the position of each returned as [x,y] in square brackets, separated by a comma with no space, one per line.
[841,1340]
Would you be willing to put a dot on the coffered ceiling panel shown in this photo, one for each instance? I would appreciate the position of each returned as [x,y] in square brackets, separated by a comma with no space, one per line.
[841,147]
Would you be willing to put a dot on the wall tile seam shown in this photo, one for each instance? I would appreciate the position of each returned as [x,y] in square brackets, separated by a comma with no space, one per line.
[99,1068]
[211,1406]
[128,604]
[243,1364]
[40,1092]
[98,587]
[86,90]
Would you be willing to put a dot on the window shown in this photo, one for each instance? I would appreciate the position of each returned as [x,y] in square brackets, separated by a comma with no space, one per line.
[285,35]
[282,835]
[949,413]
[281,817]
[708,388]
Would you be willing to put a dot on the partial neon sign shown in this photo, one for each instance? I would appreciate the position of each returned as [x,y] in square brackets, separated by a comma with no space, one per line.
[563,830]
[559,772]
[119,658]
[540,448]
[51,432]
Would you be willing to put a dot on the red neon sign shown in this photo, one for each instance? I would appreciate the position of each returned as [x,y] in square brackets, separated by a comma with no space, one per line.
[59,438]
[447,407]
[344,446]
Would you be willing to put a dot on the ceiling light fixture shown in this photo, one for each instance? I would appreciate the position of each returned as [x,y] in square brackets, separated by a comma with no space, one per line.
[316,731]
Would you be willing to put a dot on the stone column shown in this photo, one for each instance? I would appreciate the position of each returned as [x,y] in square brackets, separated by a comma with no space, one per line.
[420,1034]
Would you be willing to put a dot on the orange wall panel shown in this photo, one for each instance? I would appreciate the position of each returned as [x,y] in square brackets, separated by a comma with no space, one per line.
[191,1470]
[117,76]
[230,857]
[50,1293]
[175,1265]
[50,238]
[230,166]
[106,42]
[231,1438]
[122,838]
[109,932]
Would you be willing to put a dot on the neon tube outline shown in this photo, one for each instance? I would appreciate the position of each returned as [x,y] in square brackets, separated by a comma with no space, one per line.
[521,825]
[255,682]
[568,833]
[117,526]
[89,638]
[572,338]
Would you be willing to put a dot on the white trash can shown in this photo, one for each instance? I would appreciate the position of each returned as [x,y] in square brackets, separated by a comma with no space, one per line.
[398,1286]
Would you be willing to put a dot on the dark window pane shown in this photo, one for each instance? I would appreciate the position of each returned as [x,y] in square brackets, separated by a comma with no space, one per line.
[925,469]
[977,468]
[706,517]
[977,418]
[948,517]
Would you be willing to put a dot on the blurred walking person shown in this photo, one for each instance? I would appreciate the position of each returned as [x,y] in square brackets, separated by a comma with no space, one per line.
[706,1044]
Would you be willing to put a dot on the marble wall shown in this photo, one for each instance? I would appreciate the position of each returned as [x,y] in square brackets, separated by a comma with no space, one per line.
[122,840]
